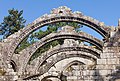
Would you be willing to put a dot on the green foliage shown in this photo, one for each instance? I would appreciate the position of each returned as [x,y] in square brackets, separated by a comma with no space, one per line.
[44,48]
[12,23]
[22,45]
[40,34]
[51,28]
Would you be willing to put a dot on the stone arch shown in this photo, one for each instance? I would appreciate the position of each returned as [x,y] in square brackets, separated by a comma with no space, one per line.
[43,69]
[58,73]
[44,56]
[28,52]
[67,15]
[75,61]
[84,50]
[69,55]
[69,68]
[66,62]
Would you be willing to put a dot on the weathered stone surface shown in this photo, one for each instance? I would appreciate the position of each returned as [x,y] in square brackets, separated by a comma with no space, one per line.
[71,61]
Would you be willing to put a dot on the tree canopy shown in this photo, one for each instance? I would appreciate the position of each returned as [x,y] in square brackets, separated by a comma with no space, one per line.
[12,23]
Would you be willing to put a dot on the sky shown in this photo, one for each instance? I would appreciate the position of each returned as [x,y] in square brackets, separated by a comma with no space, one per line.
[107,11]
